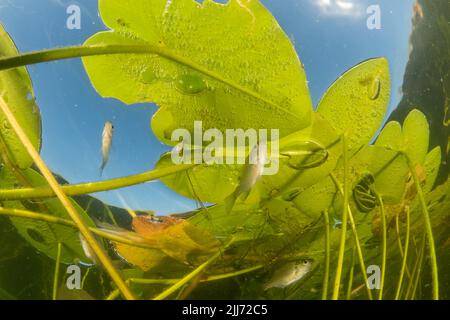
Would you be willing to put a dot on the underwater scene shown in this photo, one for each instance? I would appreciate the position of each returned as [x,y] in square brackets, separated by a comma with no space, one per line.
[224,150]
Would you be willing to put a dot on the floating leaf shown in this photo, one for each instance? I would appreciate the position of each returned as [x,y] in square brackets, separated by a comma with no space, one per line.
[225,83]
[416,136]
[357,102]
[17,91]
[413,138]
[319,133]
[207,183]
[391,136]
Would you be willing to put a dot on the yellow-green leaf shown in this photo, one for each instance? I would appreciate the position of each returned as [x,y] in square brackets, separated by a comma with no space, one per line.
[356,103]
[222,76]
[17,91]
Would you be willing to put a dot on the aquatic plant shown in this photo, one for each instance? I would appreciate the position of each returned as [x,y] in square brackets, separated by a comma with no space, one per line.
[304,211]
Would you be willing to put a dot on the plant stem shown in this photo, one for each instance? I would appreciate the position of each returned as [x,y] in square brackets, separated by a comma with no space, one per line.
[405,256]
[399,242]
[192,275]
[416,267]
[110,49]
[340,262]
[428,228]
[52,219]
[419,271]
[65,201]
[115,293]
[350,275]
[56,276]
[92,187]
[383,245]
[356,239]
[326,273]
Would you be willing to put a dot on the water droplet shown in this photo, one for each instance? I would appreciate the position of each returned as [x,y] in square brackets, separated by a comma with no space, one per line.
[375,88]
[190,84]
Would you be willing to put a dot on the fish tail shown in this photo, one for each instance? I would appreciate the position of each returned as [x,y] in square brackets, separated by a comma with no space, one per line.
[103,165]
[230,201]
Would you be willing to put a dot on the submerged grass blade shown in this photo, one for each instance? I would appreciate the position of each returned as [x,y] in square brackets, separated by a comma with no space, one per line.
[56,276]
[340,262]
[65,201]
[350,276]
[166,293]
[416,268]
[419,271]
[399,242]
[428,228]
[356,239]
[144,281]
[383,245]
[326,273]
[405,257]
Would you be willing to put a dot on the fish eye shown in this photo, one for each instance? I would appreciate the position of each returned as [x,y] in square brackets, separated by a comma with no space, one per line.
[305,262]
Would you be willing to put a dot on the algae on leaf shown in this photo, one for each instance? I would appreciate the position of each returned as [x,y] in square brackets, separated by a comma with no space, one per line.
[222,76]
[17,91]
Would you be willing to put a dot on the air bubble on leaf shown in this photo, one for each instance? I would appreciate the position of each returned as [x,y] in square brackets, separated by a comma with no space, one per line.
[190,84]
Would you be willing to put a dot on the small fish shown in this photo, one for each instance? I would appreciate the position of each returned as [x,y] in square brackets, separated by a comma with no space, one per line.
[87,249]
[250,175]
[289,273]
[107,136]
[120,232]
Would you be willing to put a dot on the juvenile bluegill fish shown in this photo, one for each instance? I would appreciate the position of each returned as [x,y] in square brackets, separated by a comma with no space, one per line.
[107,136]
[250,175]
[289,273]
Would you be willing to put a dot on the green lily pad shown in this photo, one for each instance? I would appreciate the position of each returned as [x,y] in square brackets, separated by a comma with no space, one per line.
[17,91]
[225,83]
[357,102]
[207,183]
[416,135]
[391,136]
[413,138]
